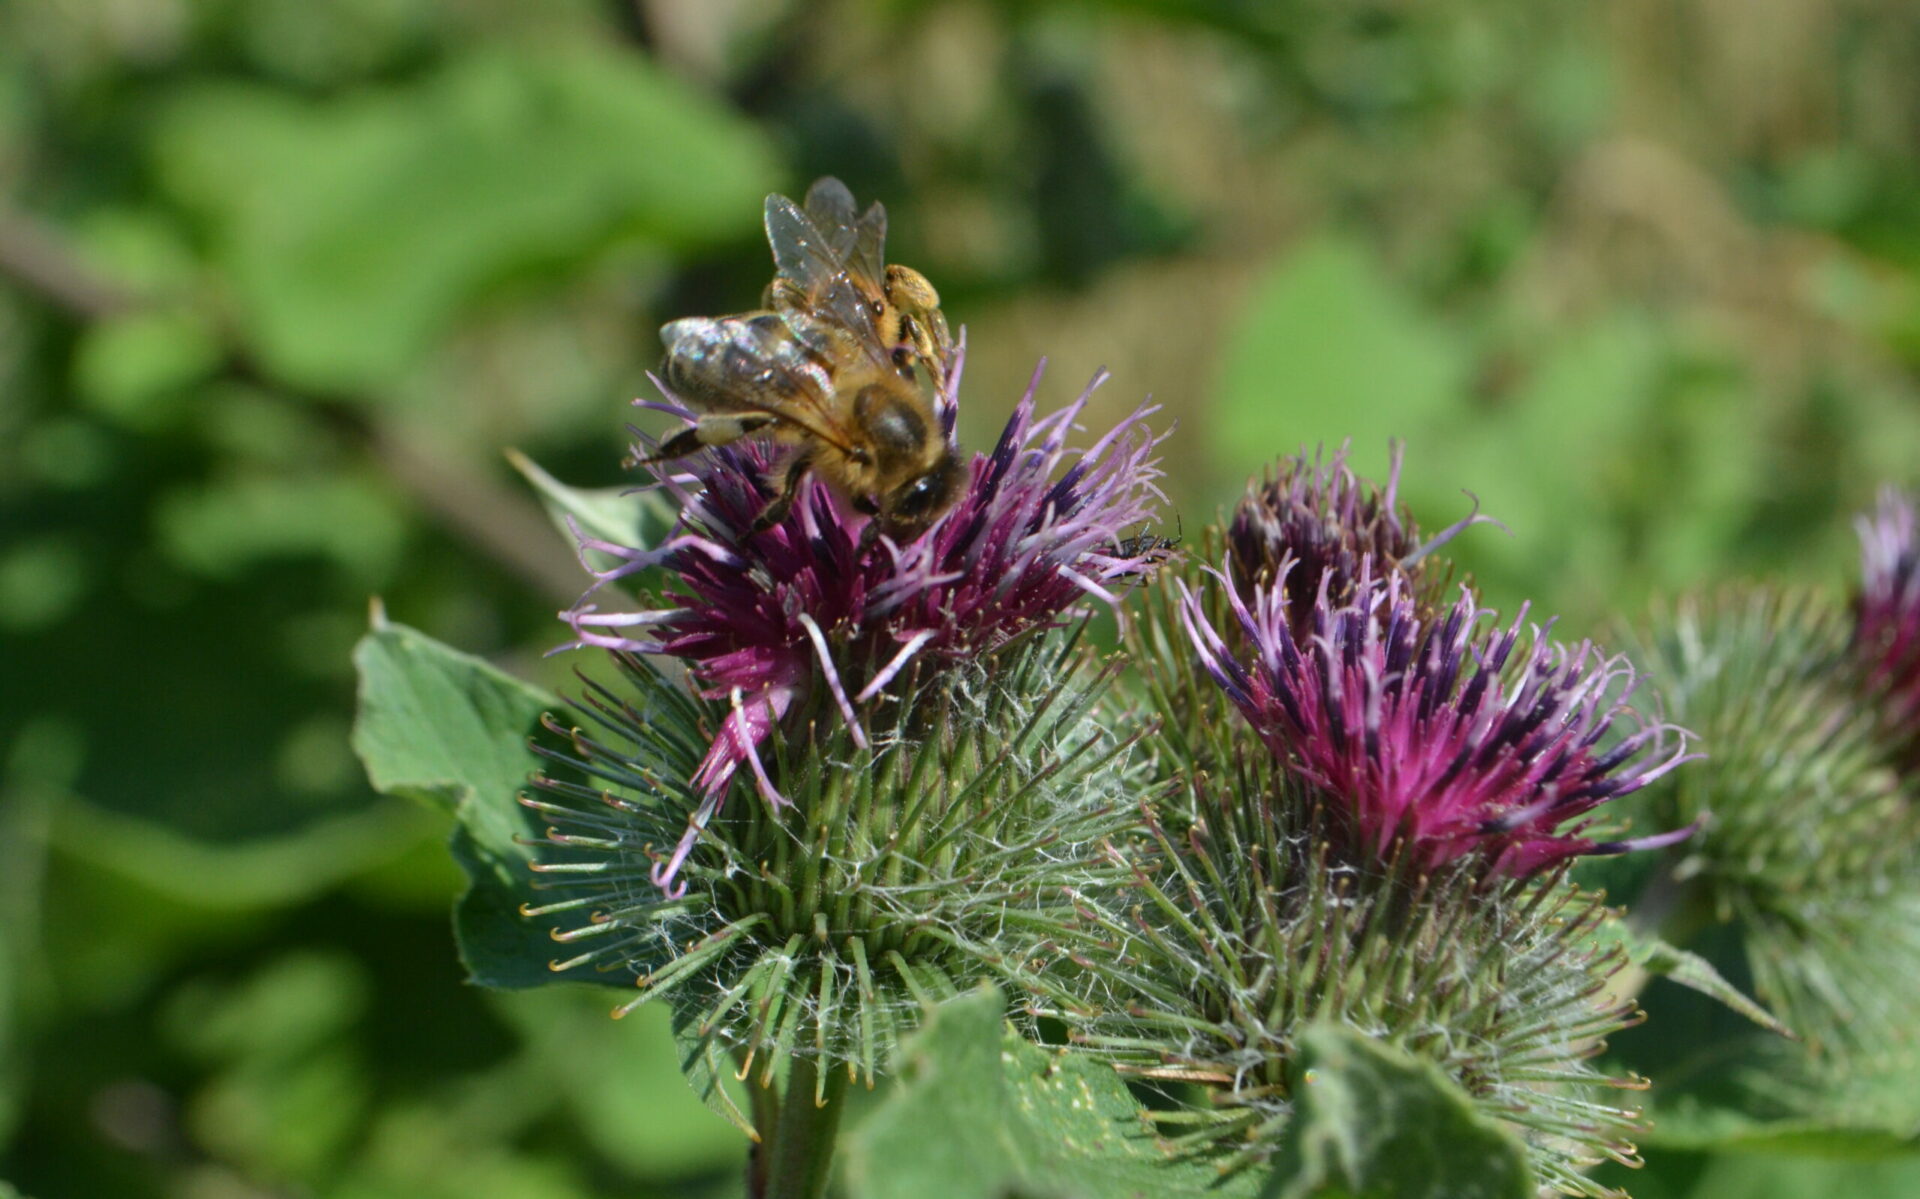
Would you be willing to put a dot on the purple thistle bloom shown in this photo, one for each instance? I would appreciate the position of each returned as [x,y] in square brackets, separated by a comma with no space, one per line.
[808,611]
[1330,523]
[1440,735]
[1886,631]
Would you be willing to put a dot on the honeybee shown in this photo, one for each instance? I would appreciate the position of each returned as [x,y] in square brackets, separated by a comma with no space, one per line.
[839,364]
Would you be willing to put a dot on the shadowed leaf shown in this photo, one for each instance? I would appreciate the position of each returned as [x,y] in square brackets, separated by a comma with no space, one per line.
[447,729]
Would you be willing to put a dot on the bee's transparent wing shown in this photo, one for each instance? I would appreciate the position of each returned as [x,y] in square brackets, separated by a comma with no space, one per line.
[868,259]
[805,254]
[859,242]
[754,364]
[811,259]
[728,362]
[830,207]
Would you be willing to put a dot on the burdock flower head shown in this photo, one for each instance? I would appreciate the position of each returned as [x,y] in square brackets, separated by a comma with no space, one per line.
[810,613]
[1886,633]
[1246,936]
[1810,853]
[1331,524]
[913,718]
[1393,866]
[1439,736]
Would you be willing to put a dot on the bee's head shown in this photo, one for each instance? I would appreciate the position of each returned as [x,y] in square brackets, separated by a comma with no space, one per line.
[911,508]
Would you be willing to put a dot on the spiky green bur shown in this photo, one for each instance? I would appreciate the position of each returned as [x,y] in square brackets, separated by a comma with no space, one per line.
[1194,726]
[1245,929]
[1322,526]
[822,928]
[1810,837]
[1241,932]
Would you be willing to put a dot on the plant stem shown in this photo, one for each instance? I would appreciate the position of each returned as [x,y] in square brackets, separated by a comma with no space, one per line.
[766,1118]
[801,1148]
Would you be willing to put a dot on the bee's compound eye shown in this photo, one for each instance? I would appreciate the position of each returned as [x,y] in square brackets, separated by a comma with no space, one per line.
[918,496]
[918,502]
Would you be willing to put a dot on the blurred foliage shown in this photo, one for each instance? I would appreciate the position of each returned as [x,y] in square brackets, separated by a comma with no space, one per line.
[279,280]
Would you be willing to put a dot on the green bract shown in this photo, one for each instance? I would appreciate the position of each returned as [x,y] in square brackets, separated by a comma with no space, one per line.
[1244,932]
[889,880]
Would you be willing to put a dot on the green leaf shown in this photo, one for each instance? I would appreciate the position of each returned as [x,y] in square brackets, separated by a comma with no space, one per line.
[447,729]
[441,726]
[983,1114]
[704,1064]
[222,527]
[1769,1095]
[620,1080]
[435,1148]
[1771,1176]
[288,1088]
[1721,1083]
[1330,349]
[1689,969]
[1589,387]
[1725,1129]
[356,230]
[42,580]
[1697,973]
[1370,1120]
[137,369]
[233,876]
[622,515]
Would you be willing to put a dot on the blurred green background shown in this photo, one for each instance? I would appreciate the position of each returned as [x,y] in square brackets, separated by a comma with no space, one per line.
[279,280]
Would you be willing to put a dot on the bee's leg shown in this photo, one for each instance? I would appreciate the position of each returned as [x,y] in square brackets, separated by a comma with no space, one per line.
[710,430]
[865,505]
[782,503]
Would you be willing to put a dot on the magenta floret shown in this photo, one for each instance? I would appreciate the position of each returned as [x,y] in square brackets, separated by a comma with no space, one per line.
[1440,736]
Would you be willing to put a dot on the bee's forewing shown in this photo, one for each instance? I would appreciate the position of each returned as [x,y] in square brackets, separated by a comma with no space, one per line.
[801,252]
[858,243]
[830,208]
[814,261]
[868,256]
[747,363]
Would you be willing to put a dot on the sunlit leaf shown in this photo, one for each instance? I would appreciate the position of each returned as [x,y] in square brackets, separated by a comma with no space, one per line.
[1013,1118]
[1655,956]
[1328,349]
[1370,1120]
[622,515]
[257,871]
[221,527]
[137,369]
[288,1087]
[622,1081]
[1774,1176]
[355,230]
